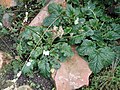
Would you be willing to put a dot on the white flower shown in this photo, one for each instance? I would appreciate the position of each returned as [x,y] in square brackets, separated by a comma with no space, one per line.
[45,52]
[26,13]
[26,17]
[71,34]
[76,21]
[1,25]
[18,74]
[28,64]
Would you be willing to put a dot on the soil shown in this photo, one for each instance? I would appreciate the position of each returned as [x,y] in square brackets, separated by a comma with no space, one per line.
[6,44]
[37,82]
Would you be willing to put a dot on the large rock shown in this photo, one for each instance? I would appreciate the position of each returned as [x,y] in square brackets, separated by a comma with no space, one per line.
[38,20]
[73,74]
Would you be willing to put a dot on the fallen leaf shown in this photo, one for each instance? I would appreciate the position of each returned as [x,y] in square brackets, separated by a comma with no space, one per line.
[38,20]
[57,32]
[8,3]
[73,74]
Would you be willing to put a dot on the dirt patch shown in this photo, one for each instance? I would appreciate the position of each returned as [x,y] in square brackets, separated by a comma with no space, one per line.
[7,45]
[37,82]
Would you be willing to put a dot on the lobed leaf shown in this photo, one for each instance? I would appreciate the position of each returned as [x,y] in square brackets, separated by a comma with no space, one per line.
[101,58]
[54,8]
[86,48]
[50,19]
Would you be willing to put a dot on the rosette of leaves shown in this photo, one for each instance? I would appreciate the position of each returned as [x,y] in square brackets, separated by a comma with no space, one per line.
[34,40]
[91,34]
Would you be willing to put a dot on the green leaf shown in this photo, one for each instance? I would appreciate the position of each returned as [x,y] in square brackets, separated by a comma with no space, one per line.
[111,35]
[44,68]
[36,37]
[86,48]
[55,64]
[86,28]
[30,43]
[76,28]
[108,55]
[73,1]
[98,36]
[93,23]
[19,48]
[90,5]
[77,39]
[51,20]
[35,53]
[116,28]
[67,30]
[26,34]
[3,31]
[89,9]
[70,11]
[63,50]
[66,50]
[89,33]
[54,8]
[101,58]
[28,69]
[16,65]
[62,58]
[117,9]
[117,52]
[96,64]
[82,20]
[36,29]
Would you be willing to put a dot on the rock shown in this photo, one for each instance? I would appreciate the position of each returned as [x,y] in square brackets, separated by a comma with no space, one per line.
[38,20]
[73,74]
[8,3]
[7,19]
[4,59]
